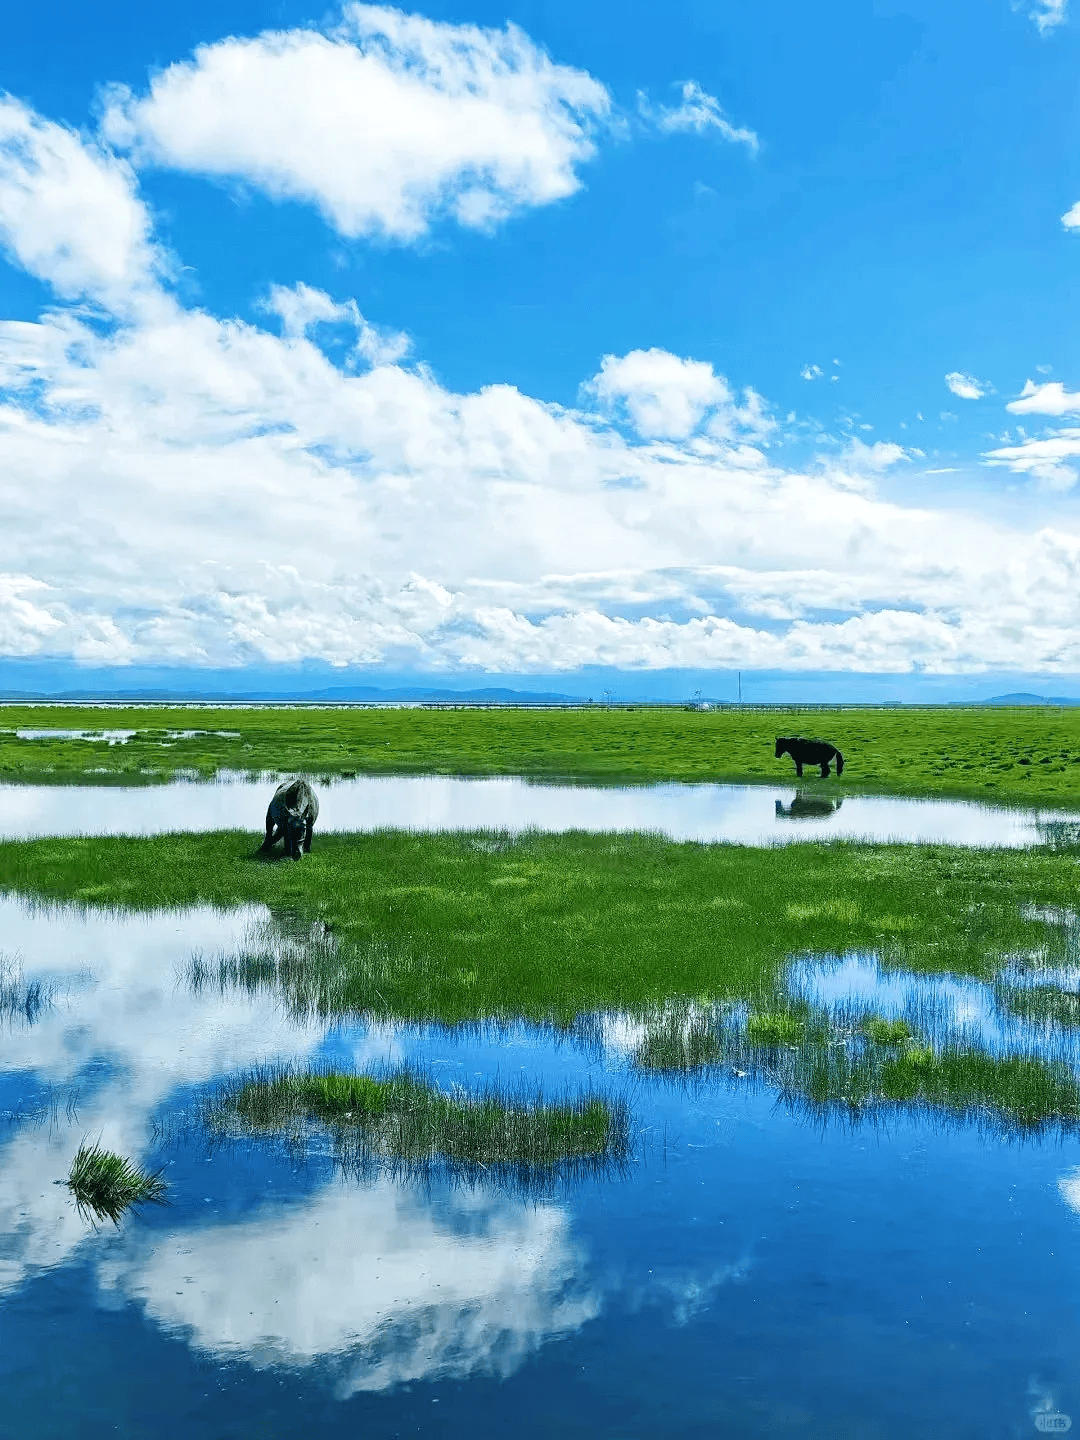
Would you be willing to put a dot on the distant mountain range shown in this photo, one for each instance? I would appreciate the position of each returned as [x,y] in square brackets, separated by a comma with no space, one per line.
[421,695]
[1021,699]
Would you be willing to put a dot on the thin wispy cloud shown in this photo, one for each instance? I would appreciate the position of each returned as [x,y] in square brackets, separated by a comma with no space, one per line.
[697,113]
[1050,460]
[1049,14]
[966,387]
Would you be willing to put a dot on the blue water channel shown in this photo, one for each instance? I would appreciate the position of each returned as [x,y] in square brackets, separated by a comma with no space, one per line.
[749,1273]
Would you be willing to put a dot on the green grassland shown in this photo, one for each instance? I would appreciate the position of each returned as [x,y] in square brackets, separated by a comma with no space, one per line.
[1028,756]
[452,927]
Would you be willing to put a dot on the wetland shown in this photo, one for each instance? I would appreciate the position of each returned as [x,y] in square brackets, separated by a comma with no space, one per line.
[534,1121]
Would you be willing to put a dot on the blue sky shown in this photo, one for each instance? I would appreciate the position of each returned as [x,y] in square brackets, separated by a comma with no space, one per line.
[660,340]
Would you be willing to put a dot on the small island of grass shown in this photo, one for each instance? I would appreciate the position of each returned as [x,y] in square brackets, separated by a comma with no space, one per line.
[401,1116]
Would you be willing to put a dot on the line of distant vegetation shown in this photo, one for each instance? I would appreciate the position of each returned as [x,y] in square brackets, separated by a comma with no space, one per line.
[1026,755]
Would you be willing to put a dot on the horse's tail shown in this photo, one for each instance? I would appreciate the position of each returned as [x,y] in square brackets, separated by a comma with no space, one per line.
[839,763]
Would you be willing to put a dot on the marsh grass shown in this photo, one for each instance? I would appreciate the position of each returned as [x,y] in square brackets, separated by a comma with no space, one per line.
[844,1059]
[1047,1005]
[888,1032]
[106,1185]
[23,1001]
[46,1108]
[471,926]
[400,1119]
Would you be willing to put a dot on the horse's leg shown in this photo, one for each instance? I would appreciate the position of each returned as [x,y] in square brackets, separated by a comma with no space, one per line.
[825,771]
[307,836]
[798,769]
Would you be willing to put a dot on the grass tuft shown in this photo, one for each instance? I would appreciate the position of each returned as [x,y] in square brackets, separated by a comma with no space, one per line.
[887,1032]
[774,1028]
[106,1185]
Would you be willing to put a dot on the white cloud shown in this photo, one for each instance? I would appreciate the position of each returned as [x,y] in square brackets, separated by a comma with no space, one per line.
[872,459]
[666,396]
[302,309]
[1048,399]
[811,372]
[966,387]
[385,123]
[69,212]
[698,112]
[190,488]
[1071,218]
[231,494]
[1048,14]
[1046,459]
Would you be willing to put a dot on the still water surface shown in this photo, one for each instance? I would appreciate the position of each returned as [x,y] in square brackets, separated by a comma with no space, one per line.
[752,1275]
[744,814]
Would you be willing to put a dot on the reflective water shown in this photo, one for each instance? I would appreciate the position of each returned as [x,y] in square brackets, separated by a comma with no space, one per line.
[744,814]
[116,737]
[751,1276]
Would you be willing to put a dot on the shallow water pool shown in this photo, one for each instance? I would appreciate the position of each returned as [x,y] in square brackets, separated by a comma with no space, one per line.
[750,1275]
[744,814]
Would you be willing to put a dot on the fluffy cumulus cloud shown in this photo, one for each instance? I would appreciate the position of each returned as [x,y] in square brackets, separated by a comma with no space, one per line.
[966,387]
[186,487]
[384,122]
[1050,398]
[663,395]
[697,112]
[69,212]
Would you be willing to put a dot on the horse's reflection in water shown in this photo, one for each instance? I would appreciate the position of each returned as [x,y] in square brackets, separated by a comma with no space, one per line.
[808,807]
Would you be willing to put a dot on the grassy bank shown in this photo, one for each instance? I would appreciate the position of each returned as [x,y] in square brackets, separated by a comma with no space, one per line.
[453,927]
[1024,756]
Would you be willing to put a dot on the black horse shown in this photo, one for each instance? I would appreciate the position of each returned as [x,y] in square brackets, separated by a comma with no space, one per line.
[291,817]
[809,752]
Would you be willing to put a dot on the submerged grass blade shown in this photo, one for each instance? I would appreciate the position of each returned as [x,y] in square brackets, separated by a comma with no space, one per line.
[105,1184]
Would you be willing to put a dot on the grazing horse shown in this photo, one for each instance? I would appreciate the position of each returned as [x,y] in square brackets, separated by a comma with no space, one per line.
[291,817]
[809,752]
